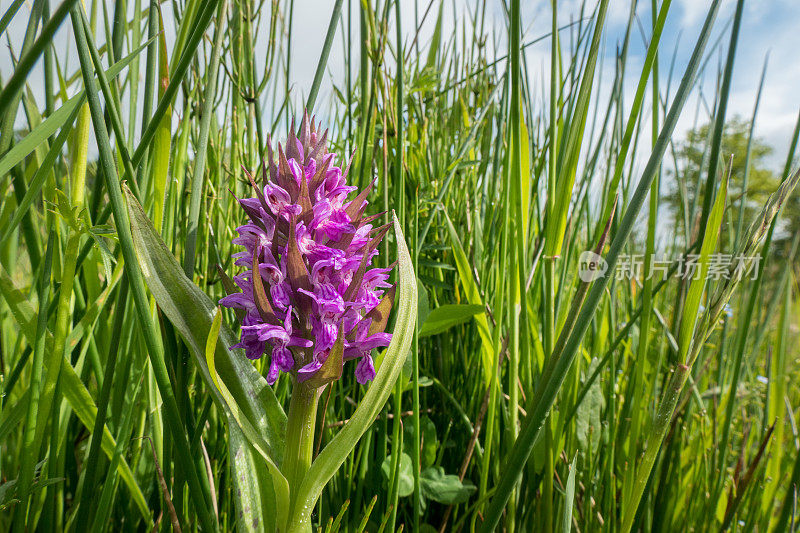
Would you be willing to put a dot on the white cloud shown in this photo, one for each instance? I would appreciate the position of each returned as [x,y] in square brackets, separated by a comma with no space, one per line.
[767,25]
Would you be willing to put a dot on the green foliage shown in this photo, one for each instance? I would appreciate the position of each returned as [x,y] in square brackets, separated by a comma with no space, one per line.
[446,316]
[514,394]
[588,417]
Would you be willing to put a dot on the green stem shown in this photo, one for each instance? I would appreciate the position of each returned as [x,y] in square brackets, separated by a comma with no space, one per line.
[301,423]
[659,431]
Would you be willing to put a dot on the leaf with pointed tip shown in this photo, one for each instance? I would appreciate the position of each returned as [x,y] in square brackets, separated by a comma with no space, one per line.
[238,423]
[319,175]
[227,282]
[331,369]
[380,313]
[260,295]
[354,207]
[304,200]
[285,178]
[446,316]
[191,312]
[251,408]
[259,194]
[335,453]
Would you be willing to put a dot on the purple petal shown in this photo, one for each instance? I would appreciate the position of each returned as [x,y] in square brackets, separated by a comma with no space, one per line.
[326,298]
[309,370]
[363,347]
[365,370]
[281,295]
[253,348]
[324,332]
[237,300]
[282,358]
[272,375]
[330,221]
[266,332]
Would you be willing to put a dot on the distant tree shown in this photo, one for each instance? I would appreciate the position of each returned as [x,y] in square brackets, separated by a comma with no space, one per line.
[684,192]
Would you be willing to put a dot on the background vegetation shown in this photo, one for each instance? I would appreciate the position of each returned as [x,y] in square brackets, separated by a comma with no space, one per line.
[529,397]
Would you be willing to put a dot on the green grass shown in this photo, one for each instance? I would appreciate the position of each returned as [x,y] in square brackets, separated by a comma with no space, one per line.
[530,400]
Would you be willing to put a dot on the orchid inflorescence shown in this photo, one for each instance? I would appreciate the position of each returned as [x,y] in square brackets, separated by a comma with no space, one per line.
[314,298]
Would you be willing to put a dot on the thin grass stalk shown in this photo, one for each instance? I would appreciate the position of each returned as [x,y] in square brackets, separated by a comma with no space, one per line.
[50,398]
[399,178]
[151,66]
[547,391]
[178,73]
[323,58]
[12,92]
[549,257]
[515,256]
[86,495]
[690,341]
[28,459]
[719,124]
[198,174]
[152,339]
[775,411]
[742,338]
[8,16]
[636,105]
[748,155]
[639,411]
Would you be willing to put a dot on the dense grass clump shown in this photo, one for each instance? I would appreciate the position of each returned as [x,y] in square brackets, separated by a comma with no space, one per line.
[537,395]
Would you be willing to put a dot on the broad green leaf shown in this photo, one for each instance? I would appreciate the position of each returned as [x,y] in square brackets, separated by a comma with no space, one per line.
[237,423]
[405,485]
[444,488]
[446,316]
[569,498]
[429,440]
[255,508]
[251,408]
[334,454]
[588,415]
[191,311]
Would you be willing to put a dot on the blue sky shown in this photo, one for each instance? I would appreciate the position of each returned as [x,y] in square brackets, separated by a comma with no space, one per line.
[768,26]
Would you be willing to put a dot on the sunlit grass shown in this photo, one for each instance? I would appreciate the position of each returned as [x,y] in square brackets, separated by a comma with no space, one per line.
[531,399]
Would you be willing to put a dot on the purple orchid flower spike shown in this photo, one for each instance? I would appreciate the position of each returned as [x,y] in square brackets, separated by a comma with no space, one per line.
[310,296]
